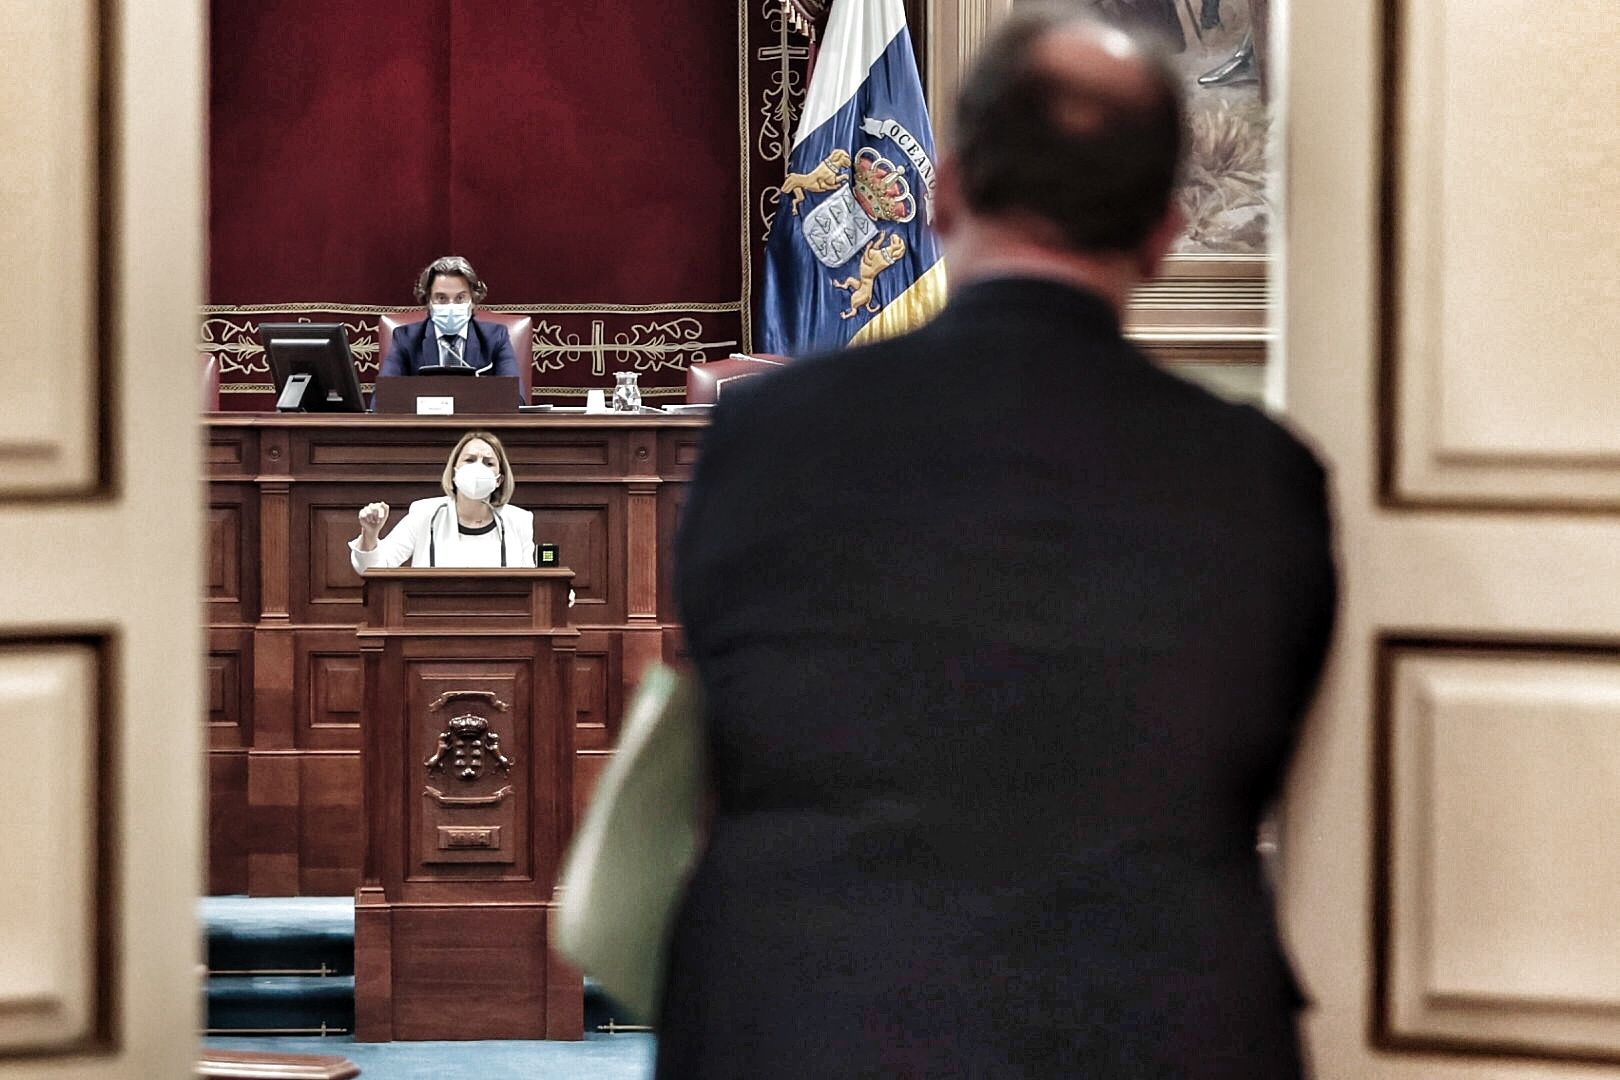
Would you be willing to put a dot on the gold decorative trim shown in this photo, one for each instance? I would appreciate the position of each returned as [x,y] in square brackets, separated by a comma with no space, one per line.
[644,346]
[647,346]
[581,391]
[521,309]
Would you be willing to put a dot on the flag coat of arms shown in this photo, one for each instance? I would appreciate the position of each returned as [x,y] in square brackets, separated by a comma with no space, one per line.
[852,256]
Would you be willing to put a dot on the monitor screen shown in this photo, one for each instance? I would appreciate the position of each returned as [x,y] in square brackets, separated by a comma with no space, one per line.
[312,366]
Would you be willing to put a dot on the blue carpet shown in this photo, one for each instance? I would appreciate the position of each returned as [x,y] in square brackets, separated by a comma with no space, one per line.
[279,963]
[599,1057]
[296,932]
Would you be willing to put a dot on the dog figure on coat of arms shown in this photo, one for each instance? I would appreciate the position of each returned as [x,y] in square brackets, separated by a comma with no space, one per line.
[819,180]
[878,257]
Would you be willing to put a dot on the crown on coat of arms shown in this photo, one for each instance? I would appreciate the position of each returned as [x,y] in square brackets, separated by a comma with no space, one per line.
[881,187]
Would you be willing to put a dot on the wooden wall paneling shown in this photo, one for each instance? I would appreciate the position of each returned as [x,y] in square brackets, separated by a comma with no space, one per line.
[587,522]
[232,452]
[598,706]
[641,584]
[373,962]
[678,452]
[565,1010]
[275,566]
[671,502]
[274,703]
[563,454]
[371,452]
[675,652]
[329,823]
[490,945]
[273,798]
[327,689]
[226,552]
[641,579]
[229,687]
[299,481]
[230,834]
[322,522]
[641,649]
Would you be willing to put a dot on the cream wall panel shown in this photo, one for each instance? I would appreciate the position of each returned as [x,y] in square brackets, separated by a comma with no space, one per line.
[124,568]
[1389,823]
[48,228]
[1507,239]
[47,816]
[1504,775]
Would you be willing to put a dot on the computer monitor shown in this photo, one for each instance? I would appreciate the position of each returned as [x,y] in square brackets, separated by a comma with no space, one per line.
[312,366]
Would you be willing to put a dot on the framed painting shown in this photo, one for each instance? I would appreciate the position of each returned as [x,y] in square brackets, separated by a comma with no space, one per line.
[1210,305]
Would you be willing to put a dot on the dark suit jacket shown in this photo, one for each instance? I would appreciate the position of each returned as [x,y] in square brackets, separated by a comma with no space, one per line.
[1006,634]
[488,350]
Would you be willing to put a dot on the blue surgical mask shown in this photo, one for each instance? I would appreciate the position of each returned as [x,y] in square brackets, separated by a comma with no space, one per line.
[451,319]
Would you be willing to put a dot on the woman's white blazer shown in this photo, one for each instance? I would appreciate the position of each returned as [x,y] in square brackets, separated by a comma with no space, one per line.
[425,529]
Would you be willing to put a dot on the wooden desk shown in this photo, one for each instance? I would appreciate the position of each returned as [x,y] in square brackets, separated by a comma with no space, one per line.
[284,670]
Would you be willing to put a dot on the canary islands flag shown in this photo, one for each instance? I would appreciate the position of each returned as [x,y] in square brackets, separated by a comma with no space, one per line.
[852,255]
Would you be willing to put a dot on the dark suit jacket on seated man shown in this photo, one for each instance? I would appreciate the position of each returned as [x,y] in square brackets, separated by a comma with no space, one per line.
[1006,634]
[451,335]
[487,349]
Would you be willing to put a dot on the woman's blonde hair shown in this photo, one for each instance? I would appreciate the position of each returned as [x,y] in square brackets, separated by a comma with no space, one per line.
[501,495]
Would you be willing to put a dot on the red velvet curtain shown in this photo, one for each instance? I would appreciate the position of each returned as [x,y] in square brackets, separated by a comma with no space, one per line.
[590,159]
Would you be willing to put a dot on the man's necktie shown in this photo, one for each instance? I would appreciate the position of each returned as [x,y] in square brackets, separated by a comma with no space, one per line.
[452,348]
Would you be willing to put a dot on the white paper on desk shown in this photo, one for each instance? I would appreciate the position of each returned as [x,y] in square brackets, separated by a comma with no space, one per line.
[435,406]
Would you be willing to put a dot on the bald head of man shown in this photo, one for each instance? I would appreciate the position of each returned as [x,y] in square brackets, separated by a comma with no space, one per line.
[1068,134]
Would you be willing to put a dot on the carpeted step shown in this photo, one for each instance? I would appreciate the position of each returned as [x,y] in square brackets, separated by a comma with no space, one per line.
[281,1003]
[269,935]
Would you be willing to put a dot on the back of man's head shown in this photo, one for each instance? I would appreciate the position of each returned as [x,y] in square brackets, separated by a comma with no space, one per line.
[1070,127]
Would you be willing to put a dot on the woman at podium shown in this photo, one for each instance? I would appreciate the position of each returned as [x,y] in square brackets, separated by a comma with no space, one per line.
[472,524]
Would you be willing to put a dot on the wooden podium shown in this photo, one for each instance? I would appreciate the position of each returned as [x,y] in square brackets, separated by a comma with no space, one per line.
[466,754]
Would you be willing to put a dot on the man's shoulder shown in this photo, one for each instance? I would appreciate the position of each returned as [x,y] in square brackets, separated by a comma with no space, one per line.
[490,329]
[412,330]
[839,378]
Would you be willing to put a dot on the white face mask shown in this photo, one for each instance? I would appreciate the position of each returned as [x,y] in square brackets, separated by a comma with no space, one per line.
[451,319]
[476,481]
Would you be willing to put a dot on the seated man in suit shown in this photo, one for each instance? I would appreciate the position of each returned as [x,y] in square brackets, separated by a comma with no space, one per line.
[450,336]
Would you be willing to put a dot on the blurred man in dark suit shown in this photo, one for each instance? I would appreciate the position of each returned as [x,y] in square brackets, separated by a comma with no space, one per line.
[1006,635]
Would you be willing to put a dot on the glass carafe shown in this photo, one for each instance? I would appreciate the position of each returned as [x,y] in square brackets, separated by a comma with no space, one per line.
[627,392]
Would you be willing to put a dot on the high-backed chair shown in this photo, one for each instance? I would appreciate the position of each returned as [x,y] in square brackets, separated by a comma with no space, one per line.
[519,326]
[704,382]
